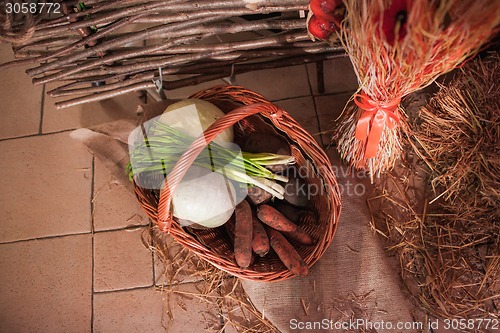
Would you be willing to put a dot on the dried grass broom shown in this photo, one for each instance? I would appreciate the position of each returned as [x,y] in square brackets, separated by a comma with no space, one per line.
[398,47]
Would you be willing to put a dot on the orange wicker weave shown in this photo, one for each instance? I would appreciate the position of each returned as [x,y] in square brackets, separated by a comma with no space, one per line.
[253,113]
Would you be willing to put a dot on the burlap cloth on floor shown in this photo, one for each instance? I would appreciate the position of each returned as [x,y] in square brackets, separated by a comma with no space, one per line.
[354,280]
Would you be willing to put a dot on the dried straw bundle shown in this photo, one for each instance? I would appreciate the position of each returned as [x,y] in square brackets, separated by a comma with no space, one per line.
[398,47]
[449,250]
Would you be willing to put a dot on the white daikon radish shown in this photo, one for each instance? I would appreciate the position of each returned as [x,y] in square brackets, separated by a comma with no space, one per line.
[193,116]
[204,197]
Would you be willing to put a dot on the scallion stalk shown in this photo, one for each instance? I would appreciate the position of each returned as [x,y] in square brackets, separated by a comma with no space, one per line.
[164,145]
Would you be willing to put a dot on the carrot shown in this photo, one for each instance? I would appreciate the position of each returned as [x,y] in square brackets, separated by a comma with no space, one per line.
[230,225]
[287,253]
[295,214]
[300,236]
[243,234]
[260,240]
[278,221]
[298,216]
[275,219]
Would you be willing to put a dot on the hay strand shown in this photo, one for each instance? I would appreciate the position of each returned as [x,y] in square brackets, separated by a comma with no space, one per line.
[216,287]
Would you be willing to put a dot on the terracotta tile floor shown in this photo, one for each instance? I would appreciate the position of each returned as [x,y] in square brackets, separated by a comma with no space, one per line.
[71,254]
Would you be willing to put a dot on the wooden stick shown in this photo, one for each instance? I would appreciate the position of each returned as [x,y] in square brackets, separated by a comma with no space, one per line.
[141,35]
[169,85]
[105,95]
[148,65]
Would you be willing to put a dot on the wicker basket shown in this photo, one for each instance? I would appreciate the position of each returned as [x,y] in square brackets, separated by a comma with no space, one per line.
[253,114]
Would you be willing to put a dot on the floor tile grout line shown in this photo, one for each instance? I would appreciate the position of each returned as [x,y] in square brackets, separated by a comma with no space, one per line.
[220,311]
[309,78]
[36,134]
[164,286]
[159,288]
[289,98]
[349,91]
[314,105]
[44,238]
[132,227]
[42,107]
[312,94]
[92,188]
[153,249]
[127,228]
[273,101]
[124,290]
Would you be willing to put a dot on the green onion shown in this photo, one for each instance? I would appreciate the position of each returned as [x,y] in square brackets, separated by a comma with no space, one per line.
[164,145]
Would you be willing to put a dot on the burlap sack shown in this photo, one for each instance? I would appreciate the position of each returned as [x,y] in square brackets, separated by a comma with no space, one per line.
[353,288]
[354,280]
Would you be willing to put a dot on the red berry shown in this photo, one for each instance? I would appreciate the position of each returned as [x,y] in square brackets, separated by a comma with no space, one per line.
[394,15]
[321,28]
[324,8]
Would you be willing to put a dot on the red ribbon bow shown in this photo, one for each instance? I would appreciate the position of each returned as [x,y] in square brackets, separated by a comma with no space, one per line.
[372,121]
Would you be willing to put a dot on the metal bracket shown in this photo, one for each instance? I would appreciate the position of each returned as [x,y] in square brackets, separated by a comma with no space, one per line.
[159,93]
[231,79]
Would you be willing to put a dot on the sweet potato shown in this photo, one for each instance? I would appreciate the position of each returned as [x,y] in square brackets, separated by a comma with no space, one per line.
[287,253]
[243,234]
[260,240]
[275,219]
[295,232]
[229,226]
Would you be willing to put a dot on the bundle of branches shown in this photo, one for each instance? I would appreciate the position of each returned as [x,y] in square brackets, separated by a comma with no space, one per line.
[101,49]
[398,47]
[440,214]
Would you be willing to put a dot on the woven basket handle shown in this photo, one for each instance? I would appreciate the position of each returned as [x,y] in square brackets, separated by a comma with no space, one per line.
[164,217]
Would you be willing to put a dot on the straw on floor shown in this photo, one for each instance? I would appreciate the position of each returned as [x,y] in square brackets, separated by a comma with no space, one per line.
[439,211]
